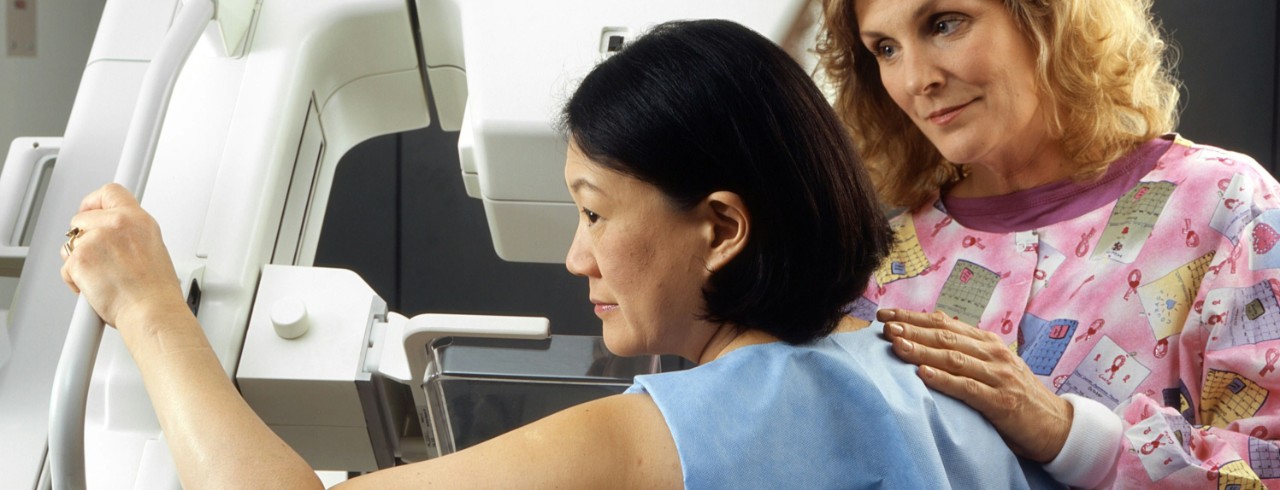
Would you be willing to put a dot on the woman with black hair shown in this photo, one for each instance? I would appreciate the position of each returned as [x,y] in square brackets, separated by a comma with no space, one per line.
[724,218]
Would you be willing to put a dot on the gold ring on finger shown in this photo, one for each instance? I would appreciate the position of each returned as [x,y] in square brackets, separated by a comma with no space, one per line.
[72,234]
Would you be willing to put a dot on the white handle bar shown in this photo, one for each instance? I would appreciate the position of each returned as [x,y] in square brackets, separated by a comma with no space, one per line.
[75,366]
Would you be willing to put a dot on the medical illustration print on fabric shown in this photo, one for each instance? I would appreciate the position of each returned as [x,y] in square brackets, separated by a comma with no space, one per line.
[967,291]
[862,308]
[1134,216]
[1180,399]
[1227,397]
[1243,316]
[1162,444]
[906,259]
[1238,475]
[1168,300]
[1264,458]
[1263,237]
[1108,374]
[1235,208]
[1048,260]
[1041,343]
[1166,443]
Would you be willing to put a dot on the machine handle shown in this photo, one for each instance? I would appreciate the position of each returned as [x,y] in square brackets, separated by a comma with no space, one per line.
[75,366]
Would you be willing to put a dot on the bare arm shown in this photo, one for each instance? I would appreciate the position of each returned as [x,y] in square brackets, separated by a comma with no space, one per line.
[119,263]
[616,442]
[217,441]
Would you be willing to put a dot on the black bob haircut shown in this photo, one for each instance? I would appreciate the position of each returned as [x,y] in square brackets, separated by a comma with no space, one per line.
[695,107]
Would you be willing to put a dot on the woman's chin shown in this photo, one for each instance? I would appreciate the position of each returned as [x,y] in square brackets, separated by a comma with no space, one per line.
[624,347]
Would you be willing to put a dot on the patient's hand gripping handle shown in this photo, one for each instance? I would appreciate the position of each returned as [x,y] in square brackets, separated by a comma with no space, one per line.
[75,366]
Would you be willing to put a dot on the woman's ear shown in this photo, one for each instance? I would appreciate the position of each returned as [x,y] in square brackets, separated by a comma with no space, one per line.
[730,227]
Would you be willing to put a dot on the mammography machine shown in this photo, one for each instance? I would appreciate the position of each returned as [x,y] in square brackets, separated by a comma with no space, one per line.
[228,118]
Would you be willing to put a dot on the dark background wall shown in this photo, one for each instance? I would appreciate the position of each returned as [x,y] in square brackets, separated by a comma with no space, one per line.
[1229,68]
[399,216]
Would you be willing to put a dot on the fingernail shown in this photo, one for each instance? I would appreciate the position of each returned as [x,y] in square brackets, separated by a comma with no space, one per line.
[895,328]
[926,372]
[905,345]
[888,314]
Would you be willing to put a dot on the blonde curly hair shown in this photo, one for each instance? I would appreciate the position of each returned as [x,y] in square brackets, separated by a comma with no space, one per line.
[1103,72]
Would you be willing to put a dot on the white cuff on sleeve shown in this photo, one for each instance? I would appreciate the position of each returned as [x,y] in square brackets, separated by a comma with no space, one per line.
[1088,458]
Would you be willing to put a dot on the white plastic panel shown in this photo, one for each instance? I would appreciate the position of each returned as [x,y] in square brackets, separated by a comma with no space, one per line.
[531,231]
[7,288]
[368,106]
[467,159]
[39,318]
[523,61]
[441,32]
[146,22]
[467,147]
[301,187]
[449,85]
[234,20]
[304,388]
[20,179]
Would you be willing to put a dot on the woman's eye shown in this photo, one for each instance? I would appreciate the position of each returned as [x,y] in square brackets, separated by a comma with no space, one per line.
[947,25]
[886,51]
[592,217]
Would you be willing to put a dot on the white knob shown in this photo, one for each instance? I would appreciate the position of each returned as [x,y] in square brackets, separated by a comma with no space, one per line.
[289,317]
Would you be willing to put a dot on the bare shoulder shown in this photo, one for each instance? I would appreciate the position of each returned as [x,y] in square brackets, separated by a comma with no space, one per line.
[616,442]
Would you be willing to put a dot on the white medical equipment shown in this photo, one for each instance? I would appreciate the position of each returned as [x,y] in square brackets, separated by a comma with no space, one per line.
[272,94]
[22,188]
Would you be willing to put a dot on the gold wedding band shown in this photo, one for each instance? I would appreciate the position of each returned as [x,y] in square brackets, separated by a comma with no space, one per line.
[72,234]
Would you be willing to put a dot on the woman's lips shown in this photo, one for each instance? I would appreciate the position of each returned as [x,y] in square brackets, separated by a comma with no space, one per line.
[944,116]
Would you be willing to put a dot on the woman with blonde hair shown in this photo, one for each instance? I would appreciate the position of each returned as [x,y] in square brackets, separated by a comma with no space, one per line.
[1104,291]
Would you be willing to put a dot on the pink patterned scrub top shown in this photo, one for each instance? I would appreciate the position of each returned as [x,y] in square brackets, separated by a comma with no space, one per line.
[1148,299]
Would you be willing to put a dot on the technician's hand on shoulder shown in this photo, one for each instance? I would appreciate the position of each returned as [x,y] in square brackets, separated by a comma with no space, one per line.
[975,367]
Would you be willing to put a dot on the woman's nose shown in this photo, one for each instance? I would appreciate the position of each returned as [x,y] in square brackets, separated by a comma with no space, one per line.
[923,76]
[579,260]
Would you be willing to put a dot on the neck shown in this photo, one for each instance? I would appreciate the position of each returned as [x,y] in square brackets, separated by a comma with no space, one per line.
[1046,163]
[728,338]
[851,324]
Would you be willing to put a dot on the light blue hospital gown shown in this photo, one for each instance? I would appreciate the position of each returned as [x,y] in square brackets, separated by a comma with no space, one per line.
[841,412]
